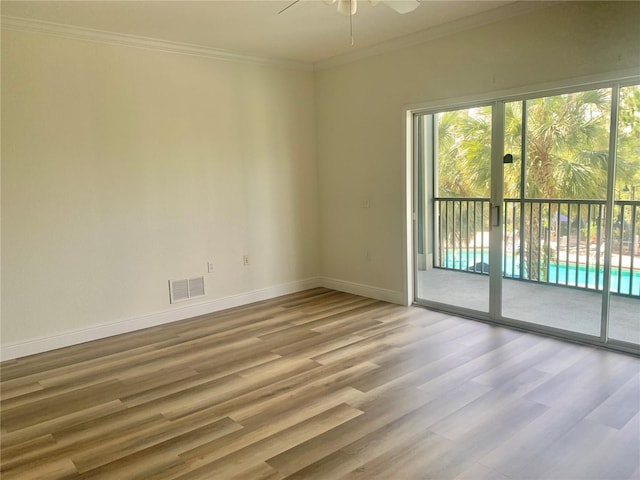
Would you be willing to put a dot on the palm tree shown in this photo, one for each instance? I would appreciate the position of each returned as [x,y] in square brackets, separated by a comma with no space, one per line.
[464,150]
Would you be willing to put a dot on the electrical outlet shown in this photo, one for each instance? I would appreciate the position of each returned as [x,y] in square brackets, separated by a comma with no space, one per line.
[211,267]
[245,260]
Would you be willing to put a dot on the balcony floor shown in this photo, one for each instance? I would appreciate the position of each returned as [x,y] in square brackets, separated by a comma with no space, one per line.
[543,304]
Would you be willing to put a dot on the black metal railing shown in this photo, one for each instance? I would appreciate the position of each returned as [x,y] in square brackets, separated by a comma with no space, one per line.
[555,241]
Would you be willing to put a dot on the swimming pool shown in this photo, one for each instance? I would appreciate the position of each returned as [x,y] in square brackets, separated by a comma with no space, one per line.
[576,276]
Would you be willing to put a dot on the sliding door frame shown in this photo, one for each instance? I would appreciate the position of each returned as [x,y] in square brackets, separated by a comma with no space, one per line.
[497,101]
[416,134]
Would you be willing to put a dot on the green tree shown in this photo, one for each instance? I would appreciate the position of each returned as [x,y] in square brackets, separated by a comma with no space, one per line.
[567,143]
[628,164]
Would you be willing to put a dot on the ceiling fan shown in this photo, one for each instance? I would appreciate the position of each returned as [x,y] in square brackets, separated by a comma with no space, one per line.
[348,8]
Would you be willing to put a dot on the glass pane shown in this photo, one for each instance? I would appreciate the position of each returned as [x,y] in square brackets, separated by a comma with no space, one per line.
[568,145]
[553,235]
[624,311]
[464,153]
[454,188]
[513,145]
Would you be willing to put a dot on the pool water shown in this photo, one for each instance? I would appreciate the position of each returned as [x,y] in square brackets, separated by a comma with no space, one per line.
[621,279]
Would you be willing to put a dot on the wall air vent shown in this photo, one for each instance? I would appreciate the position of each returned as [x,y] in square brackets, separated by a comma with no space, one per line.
[181,290]
[196,287]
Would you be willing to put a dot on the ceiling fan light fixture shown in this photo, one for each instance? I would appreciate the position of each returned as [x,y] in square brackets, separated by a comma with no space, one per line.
[401,6]
[347,7]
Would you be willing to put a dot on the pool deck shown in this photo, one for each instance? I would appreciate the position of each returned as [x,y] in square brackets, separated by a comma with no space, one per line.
[571,309]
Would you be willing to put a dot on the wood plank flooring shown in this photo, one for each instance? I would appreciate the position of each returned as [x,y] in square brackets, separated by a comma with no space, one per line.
[327,385]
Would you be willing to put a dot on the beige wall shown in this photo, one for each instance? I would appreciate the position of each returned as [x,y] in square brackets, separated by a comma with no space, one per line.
[123,168]
[361,124]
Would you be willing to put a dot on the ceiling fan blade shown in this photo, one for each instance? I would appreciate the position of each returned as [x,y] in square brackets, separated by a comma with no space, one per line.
[288,6]
[402,6]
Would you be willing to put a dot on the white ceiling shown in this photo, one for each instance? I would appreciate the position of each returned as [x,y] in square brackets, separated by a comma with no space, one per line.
[309,31]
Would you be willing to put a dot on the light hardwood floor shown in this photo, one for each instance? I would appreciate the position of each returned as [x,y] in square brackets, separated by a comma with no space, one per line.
[322,384]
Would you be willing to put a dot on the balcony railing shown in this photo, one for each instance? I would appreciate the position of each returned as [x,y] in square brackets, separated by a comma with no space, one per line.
[558,241]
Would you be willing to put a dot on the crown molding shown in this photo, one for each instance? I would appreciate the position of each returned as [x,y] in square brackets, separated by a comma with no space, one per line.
[439,31]
[135,41]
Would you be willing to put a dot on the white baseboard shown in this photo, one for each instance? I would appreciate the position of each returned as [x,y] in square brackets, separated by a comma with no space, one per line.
[364,290]
[96,332]
[82,335]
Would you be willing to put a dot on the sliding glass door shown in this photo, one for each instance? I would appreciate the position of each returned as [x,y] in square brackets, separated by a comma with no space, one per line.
[528,212]
[624,303]
[453,189]
[555,210]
